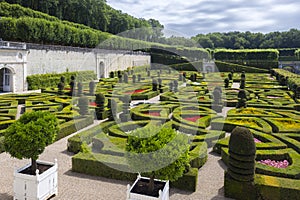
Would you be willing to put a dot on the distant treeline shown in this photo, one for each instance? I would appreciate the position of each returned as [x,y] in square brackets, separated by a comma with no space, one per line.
[248,40]
[96,14]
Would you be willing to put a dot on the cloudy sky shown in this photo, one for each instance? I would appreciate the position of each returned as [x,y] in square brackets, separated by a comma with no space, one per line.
[190,17]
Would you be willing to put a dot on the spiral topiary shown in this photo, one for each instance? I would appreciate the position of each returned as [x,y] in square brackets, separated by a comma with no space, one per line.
[125,77]
[79,89]
[134,78]
[83,104]
[175,84]
[125,116]
[154,85]
[242,151]
[226,82]
[92,88]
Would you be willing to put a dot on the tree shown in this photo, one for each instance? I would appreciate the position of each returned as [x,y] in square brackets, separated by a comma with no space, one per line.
[158,152]
[28,136]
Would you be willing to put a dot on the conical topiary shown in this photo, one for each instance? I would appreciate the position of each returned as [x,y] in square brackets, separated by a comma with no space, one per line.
[242,151]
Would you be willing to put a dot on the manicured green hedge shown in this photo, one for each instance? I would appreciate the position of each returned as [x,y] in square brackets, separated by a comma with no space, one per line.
[119,130]
[74,126]
[188,181]
[141,112]
[51,80]
[277,188]
[188,66]
[291,139]
[250,112]
[228,67]
[75,142]
[246,54]
[284,125]
[267,142]
[249,122]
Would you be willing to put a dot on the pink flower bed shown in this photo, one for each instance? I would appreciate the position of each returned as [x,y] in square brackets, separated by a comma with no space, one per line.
[134,91]
[156,114]
[193,119]
[257,140]
[274,163]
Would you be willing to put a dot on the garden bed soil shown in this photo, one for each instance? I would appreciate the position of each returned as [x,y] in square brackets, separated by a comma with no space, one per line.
[41,167]
[141,187]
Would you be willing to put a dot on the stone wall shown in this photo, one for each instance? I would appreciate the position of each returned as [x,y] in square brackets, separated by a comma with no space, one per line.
[41,61]
[24,61]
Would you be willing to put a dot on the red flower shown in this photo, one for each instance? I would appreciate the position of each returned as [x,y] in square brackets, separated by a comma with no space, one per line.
[156,114]
[193,119]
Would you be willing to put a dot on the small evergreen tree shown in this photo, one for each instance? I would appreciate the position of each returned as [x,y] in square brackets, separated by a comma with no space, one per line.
[28,136]
[158,151]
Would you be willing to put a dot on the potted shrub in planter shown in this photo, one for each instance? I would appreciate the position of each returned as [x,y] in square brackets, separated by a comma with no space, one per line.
[27,138]
[157,152]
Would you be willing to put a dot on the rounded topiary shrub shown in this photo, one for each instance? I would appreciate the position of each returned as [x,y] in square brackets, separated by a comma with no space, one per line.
[242,151]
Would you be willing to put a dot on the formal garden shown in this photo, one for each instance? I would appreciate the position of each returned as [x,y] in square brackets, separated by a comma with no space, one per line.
[181,112]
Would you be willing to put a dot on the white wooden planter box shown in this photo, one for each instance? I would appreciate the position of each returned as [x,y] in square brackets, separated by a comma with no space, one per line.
[163,195]
[36,187]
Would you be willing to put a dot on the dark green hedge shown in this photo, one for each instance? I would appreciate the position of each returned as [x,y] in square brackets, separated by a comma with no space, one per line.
[189,66]
[51,80]
[230,123]
[75,142]
[74,126]
[246,54]
[228,67]
[268,142]
[277,188]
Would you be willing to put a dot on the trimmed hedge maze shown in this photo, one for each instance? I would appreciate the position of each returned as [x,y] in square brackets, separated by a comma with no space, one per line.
[62,106]
[106,157]
[273,118]
[185,103]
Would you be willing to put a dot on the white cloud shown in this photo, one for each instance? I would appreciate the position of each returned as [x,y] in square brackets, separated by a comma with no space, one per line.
[201,16]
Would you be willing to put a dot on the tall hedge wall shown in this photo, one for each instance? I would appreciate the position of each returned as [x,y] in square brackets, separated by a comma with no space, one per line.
[246,54]
[51,80]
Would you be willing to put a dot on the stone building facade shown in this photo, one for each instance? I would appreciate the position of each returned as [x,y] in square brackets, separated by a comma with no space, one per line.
[19,60]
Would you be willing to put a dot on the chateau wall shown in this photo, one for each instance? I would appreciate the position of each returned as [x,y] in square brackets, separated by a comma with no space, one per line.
[42,59]
[58,61]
